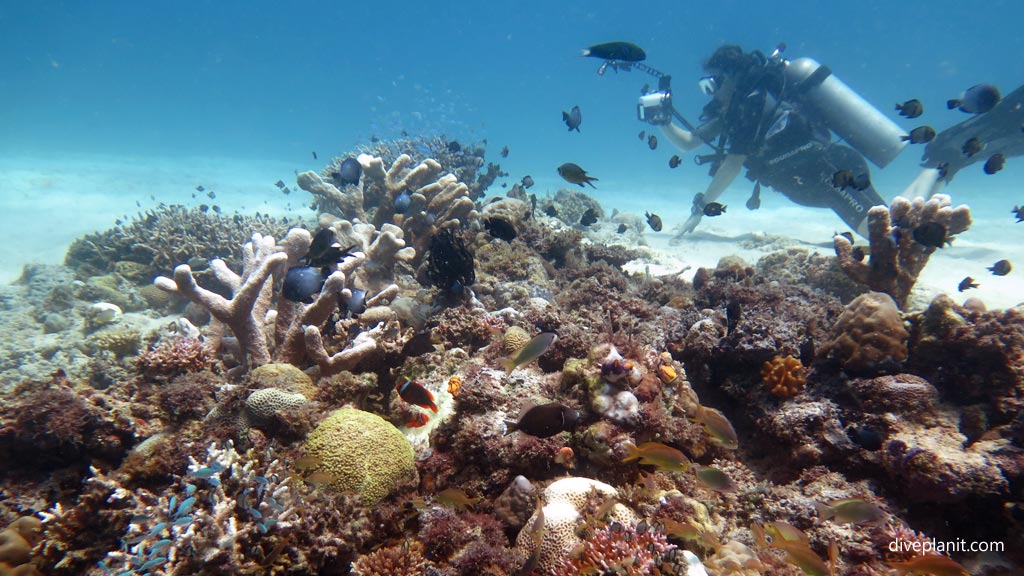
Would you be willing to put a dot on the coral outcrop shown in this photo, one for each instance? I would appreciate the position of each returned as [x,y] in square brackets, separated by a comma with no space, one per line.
[565,501]
[896,257]
[362,453]
[783,376]
[869,337]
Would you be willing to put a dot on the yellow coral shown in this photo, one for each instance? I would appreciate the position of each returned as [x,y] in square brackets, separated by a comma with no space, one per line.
[784,377]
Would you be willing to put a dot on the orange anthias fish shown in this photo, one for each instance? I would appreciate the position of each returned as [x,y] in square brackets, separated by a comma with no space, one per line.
[415,393]
[455,498]
[931,564]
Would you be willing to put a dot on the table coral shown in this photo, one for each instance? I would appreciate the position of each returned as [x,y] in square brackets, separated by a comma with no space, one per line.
[896,258]
[783,376]
[869,337]
[362,453]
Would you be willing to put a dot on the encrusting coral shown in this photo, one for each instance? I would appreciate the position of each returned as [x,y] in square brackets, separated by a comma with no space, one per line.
[897,257]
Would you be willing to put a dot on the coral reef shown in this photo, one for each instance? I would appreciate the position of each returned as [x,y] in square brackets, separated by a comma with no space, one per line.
[869,337]
[363,453]
[896,257]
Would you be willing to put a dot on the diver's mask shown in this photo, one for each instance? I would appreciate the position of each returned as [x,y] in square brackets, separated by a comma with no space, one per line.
[708,85]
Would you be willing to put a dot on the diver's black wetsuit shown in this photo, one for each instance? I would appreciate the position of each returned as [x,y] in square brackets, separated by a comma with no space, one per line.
[787,152]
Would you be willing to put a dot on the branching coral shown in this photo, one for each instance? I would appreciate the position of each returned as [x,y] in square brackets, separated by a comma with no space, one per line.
[618,549]
[400,560]
[783,376]
[175,356]
[897,257]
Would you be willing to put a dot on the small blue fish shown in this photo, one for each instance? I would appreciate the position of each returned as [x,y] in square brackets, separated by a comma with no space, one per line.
[159,546]
[302,282]
[349,172]
[208,471]
[152,564]
[186,506]
[190,489]
[184,521]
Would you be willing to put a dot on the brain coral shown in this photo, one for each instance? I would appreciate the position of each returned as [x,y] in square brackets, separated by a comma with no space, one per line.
[869,339]
[363,453]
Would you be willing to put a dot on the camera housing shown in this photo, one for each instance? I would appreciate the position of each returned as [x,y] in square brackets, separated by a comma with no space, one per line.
[655,108]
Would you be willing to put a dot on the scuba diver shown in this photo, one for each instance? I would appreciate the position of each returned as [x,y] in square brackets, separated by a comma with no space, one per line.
[777,118]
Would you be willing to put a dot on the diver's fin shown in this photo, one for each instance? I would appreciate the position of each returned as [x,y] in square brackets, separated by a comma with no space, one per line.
[1000,129]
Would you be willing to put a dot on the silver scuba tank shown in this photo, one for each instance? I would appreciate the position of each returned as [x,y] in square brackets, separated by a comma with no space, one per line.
[851,117]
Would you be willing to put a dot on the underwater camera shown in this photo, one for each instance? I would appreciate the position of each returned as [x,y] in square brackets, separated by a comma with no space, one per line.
[656,107]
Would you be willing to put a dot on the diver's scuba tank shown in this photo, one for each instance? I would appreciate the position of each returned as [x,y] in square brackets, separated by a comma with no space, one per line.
[851,117]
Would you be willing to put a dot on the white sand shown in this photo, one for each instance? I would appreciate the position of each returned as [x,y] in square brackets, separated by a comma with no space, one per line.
[47,203]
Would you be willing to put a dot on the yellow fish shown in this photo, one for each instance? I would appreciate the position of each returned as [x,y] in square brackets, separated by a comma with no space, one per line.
[455,498]
[717,427]
[715,479]
[658,454]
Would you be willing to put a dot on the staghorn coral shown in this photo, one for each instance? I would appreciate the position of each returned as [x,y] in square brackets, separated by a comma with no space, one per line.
[362,453]
[896,259]
[783,376]
[869,337]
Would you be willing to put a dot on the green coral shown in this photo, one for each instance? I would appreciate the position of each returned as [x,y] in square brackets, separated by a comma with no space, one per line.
[362,453]
[286,377]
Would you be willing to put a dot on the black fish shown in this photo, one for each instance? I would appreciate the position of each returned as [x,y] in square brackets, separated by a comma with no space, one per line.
[621,229]
[454,147]
[533,205]
[643,135]
[279,183]
[504,152]
[754,202]
[931,234]
[714,209]
[588,217]
[419,344]
[200,188]
[545,420]
[652,142]
[575,175]
[573,118]
[621,51]
[674,161]
[355,303]
[348,172]
[654,221]
[919,135]
[500,228]
[527,181]
[1018,212]
[314,155]
[866,437]
[994,163]
[966,283]
[911,108]
[972,147]
[844,179]
[551,211]
[1001,268]
[977,99]
[302,282]
[211,195]
[848,235]
[859,253]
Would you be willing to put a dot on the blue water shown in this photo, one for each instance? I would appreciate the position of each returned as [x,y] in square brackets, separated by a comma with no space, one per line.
[270,81]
